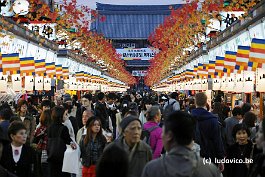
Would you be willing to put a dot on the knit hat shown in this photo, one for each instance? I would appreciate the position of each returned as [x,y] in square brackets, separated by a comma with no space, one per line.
[127,120]
[67,97]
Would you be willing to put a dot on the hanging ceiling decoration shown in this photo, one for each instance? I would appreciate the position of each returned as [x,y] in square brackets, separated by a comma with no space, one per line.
[184,29]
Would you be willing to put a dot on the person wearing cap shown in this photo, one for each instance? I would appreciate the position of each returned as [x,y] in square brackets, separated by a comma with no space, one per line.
[139,153]
[86,104]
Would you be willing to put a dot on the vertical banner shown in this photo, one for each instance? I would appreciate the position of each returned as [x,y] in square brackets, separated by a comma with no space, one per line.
[260,80]
[239,83]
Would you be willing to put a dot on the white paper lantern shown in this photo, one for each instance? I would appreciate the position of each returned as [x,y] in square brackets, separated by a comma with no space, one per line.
[249,77]
[3,82]
[16,83]
[29,83]
[47,83]
[39,83]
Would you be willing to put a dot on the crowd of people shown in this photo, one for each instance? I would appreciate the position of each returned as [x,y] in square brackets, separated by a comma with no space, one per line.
[130,135]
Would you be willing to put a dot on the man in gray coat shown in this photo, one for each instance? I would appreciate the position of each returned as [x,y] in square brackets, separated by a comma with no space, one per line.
[181,160]
[139,152]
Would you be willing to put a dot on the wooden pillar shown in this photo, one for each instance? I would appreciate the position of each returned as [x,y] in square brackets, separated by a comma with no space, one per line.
[261,105]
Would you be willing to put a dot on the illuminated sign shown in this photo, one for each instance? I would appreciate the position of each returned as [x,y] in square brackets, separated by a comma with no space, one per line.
[136,53]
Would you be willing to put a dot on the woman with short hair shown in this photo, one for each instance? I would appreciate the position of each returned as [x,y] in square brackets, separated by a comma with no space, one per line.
[17,156]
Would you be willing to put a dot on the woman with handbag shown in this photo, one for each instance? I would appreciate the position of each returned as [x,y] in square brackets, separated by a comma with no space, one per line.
[41,139]
[58,137]
[92,146]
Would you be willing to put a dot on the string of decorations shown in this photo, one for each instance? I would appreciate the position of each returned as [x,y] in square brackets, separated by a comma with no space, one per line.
[182,30]
[74,21]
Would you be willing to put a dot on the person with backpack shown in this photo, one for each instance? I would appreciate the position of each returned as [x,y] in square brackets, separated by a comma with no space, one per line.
[180,160]
[207,131]
[152,133]
[171,105]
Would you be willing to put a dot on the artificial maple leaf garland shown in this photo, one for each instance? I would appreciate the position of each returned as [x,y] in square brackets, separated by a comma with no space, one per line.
[69,15]
[181,29]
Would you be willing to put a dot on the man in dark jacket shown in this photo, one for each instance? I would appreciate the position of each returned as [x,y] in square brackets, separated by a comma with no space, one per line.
[112,111]
[180,160]
[139,152]
[207,130]
[101,111]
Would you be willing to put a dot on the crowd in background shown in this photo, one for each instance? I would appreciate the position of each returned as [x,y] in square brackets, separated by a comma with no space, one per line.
[130,135]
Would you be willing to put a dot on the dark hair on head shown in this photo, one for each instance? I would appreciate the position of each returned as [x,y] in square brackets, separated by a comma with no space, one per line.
[15,127]
[67,107]
[130,112]
[239,127]
[111,163]
[246,107]
[57,114]
[250,119]
[75,97]
[111,96]
[88,96]
[20,104]
[237,111]
[5,105]
[6,114]
[46,103]
[145,101]
[45,118]
[217,108]
[174,95]
[181,125]
[89,125]
[100,95]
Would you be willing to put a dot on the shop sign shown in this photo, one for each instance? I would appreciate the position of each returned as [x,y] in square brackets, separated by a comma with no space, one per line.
[136,53]
[228,18]
[139,73]
[44,29]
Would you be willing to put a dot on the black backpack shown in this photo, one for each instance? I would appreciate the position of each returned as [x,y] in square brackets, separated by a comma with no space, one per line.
[168,109]
[146,134]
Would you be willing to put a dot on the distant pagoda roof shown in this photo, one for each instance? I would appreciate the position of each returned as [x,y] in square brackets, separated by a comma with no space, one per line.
[130,21]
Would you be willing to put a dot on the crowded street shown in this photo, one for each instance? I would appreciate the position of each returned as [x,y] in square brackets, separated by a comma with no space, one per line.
[133,88]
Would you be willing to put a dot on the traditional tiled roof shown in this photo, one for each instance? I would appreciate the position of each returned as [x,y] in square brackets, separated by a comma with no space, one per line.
[135,63]
[130,21]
